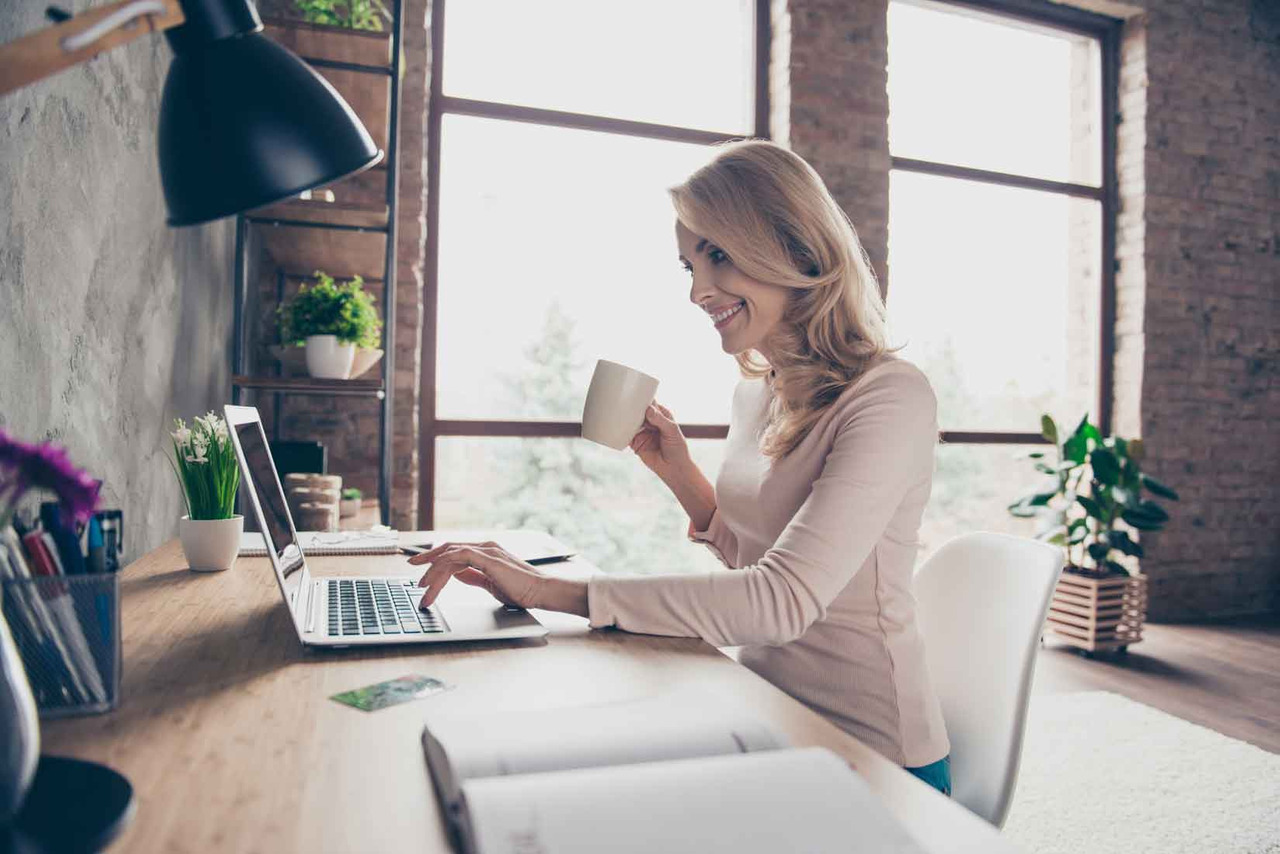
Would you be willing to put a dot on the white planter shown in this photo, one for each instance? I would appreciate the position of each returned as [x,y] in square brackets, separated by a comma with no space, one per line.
[210,545]
[349,507]
[328,359]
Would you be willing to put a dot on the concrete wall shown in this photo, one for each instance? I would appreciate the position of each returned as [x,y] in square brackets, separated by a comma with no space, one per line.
[111,323]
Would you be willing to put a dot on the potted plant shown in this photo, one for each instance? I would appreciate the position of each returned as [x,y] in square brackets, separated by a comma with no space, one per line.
[352,14]
[1095,505]
[349,505]
[331,320]
[205,463]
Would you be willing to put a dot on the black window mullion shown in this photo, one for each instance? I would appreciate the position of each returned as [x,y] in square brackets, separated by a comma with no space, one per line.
[1106,31]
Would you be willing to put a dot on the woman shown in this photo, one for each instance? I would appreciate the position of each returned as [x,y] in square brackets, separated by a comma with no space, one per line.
[827,469]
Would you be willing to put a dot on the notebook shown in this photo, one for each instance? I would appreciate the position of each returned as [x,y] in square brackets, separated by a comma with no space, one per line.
[379,541]
[658,774]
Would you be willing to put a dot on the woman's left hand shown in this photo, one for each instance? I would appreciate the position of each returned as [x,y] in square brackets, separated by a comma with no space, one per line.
[509,579]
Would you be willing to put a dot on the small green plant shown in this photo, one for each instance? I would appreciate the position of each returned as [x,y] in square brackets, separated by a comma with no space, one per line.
[351,493]
[330,308]
[352,14]
[1097,485]
[205,464]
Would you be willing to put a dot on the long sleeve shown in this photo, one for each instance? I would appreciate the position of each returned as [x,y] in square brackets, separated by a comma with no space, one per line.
[718,538]
[882,434]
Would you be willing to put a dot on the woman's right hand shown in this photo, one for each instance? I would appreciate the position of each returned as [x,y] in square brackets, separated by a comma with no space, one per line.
[660,445]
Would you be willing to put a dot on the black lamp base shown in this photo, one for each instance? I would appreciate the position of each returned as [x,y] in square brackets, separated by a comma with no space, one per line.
[72,807]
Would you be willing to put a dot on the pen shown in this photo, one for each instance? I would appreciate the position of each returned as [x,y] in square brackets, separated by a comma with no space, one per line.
[97,547]
[537,561]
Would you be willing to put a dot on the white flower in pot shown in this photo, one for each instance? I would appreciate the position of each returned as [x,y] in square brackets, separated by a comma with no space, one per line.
[208,475]
[332,319]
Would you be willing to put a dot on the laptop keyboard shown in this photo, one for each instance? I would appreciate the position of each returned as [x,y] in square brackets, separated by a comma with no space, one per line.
[378,606]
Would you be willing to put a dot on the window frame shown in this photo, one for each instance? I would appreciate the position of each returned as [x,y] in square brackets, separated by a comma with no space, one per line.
[1106,31]
[429,426]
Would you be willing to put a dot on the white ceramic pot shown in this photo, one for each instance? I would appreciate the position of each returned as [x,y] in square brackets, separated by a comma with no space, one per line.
[19,729]
[210,545]
[328,359]
[349,507]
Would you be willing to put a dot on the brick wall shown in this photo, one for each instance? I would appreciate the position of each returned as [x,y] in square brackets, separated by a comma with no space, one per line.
[1210,388]
[348,426]
[1198,302]
[838,108]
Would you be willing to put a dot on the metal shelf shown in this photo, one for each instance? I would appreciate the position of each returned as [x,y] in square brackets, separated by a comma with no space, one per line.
[354,229]
[312,385]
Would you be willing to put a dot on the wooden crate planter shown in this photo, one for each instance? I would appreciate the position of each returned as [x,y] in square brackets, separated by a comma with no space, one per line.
[336,44]
[1098,614]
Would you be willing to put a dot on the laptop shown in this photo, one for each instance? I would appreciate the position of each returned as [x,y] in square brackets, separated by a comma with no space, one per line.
[338,611]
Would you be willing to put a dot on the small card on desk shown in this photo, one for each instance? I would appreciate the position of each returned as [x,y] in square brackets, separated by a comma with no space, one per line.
[379,695]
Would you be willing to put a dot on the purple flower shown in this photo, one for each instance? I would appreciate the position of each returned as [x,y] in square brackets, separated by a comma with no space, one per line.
[45,466]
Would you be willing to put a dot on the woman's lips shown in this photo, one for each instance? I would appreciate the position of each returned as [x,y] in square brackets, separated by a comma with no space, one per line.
[724,318]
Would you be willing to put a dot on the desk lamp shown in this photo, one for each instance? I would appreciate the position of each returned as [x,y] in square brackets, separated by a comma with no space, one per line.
[243,122]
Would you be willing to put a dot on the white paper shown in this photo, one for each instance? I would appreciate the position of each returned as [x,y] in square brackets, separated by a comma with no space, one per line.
[252,543]
[497,744]
[794,801]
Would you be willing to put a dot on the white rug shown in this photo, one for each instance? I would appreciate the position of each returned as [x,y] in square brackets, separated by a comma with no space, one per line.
[1101,774]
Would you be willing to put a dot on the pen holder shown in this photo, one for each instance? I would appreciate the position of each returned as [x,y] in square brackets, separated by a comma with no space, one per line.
[67,630]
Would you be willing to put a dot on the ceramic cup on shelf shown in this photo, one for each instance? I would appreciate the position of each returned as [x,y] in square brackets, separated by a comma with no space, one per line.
[616,401]
[328,358]
[313,481]
[299,494]
[210,545]
[314,516]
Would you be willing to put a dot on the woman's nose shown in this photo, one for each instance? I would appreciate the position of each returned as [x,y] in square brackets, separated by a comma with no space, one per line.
[700,291]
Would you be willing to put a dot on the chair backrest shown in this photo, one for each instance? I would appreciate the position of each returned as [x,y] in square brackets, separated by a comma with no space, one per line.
[982,599]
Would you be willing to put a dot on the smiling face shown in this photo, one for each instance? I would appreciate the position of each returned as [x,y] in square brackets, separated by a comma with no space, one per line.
[743,310]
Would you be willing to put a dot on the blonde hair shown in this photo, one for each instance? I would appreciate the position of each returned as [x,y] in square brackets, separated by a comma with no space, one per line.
[770,211]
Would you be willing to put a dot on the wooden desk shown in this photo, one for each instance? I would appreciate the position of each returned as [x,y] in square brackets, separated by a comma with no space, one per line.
[227,733]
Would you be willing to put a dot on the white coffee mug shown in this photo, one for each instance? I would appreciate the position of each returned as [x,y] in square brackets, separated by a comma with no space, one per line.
[616,401]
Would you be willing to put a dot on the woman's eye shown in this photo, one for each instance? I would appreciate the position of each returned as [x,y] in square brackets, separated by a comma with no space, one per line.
[717,256]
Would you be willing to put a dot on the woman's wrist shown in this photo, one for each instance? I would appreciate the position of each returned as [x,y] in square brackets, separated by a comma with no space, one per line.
[563,594]
[696,495]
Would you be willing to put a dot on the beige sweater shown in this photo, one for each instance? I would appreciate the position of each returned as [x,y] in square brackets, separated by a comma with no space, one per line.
[822,544]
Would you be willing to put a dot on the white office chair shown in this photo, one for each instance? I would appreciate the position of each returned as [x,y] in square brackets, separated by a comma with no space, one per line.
[982,600]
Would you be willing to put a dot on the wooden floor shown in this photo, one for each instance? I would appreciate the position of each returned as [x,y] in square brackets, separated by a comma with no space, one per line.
[1225,675]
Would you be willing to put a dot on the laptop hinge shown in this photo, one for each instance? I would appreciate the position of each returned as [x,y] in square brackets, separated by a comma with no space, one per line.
[313,606]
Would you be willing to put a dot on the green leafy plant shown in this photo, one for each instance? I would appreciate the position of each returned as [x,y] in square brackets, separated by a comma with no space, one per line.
[205,464]
[1095,504]
[351,493]
[331,308]
[352,14]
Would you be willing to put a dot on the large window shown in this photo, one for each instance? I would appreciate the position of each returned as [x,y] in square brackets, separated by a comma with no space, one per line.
[554,130]
[1001,225]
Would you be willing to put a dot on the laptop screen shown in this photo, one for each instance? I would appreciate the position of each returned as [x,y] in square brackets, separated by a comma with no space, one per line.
[281,538]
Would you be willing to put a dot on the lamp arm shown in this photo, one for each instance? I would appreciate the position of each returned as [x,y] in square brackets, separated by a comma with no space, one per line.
[39,54]
[121,16]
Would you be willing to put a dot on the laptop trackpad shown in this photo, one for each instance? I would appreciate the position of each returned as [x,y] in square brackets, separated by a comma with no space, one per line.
[470,610]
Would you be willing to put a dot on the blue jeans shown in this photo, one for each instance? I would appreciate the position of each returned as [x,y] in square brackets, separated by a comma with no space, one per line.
[936,774]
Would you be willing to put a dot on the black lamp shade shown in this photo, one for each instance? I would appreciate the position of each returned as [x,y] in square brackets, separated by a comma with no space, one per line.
[245,123]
